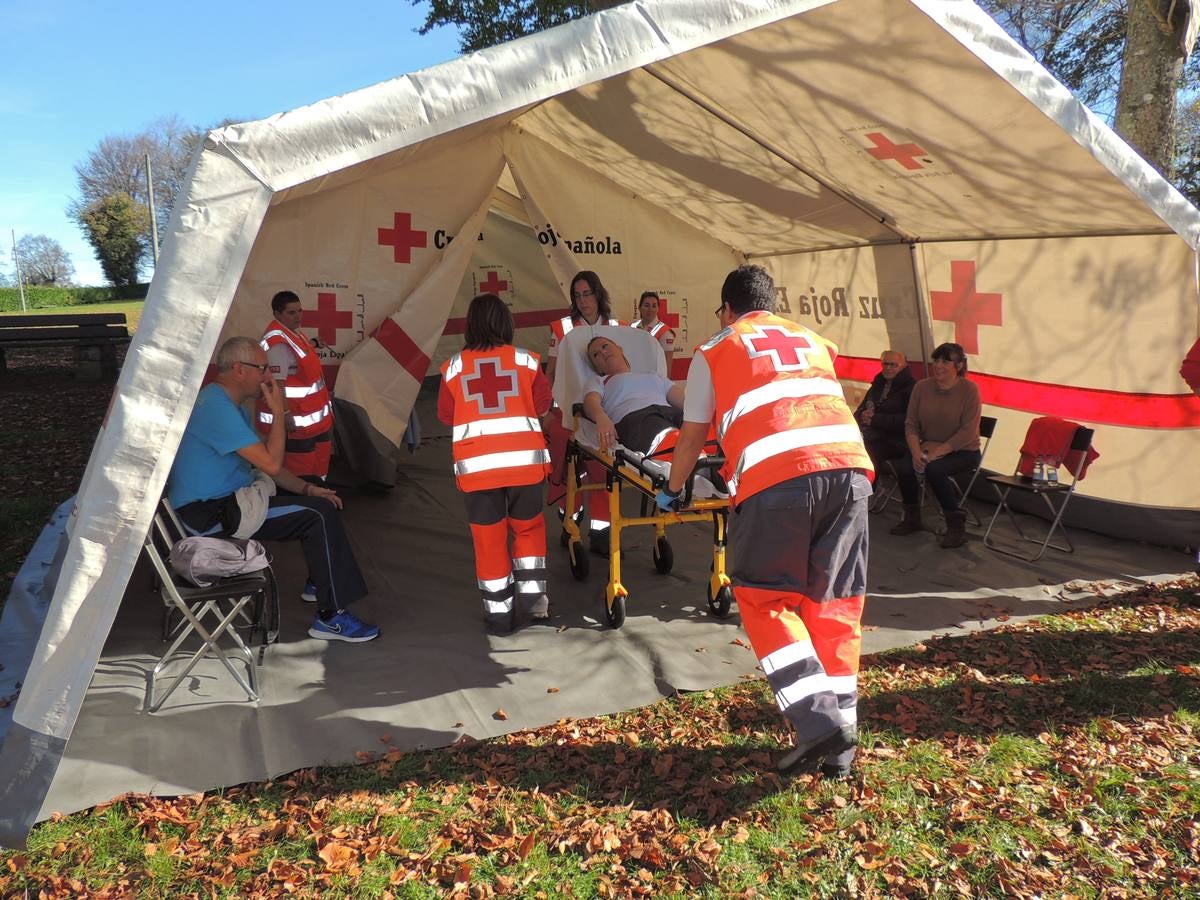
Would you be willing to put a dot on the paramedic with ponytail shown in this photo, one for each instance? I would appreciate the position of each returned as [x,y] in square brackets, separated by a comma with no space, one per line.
[799,479]
[590,306]
[493,394]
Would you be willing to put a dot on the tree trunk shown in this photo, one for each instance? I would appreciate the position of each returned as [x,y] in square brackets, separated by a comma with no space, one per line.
[1150,75]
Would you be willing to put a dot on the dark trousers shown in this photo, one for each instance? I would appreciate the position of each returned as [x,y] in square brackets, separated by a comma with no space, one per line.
[938,475]
[882,448]
[313,521]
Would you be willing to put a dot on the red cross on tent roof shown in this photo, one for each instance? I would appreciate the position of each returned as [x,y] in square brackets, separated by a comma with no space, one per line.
[327,319]
[493,284]
[786,350]
[489,385]
[402,237]
[966,307]
[884,149]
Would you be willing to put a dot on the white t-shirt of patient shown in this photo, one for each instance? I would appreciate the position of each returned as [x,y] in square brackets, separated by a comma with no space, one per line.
[628,392]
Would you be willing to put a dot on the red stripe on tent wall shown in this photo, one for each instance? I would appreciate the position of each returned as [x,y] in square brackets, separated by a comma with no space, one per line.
[403,349]
[1103,407]
[521,320]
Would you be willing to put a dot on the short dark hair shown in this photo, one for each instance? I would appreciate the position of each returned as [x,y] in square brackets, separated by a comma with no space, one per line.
[593,281]
[952,353]
[489,323]
[747,288]
[646,294]
[282,299]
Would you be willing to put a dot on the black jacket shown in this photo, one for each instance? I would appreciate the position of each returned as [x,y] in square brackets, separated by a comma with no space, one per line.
[890,414]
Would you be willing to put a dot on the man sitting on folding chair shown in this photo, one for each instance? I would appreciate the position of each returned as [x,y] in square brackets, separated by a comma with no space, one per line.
[213,490]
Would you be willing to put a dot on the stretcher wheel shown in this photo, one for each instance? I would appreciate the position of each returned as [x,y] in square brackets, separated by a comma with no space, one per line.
[577,559]
[719,606]
[615,615]
[664,556]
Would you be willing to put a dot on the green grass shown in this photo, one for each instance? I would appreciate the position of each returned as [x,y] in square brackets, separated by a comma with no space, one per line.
[131,308]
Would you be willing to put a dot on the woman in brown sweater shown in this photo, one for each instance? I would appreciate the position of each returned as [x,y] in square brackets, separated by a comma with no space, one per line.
[942,432]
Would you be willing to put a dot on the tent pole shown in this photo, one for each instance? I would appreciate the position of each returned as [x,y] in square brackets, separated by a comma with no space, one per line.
[924,326]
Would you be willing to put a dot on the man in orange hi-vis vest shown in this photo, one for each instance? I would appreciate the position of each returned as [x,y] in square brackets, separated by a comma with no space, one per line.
[493,395]
[308,413]
[799,479]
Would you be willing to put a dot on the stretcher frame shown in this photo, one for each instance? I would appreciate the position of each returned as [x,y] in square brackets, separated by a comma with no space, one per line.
[623,468]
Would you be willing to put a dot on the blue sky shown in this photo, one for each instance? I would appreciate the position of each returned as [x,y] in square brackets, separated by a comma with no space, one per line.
[72,72]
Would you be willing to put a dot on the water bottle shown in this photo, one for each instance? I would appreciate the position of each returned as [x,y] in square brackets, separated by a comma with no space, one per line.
[1039,471]
[1051,472]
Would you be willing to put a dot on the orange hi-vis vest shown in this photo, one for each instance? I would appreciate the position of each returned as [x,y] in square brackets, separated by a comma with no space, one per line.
[307,397]
[655,330]
[560,327]
[498,439]
[780,412]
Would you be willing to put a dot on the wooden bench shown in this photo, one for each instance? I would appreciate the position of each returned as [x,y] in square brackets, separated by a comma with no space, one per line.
[94,337]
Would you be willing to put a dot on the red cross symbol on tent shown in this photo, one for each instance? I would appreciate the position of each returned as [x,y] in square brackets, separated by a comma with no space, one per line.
[489,385]
[966,307]
[327,319]
[493,284]
[402,238]
[671,319]
[786,350]
[884,149]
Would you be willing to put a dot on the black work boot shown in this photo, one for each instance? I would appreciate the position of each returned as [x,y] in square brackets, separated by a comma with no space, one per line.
[911,522]
[956,529]
[814,752]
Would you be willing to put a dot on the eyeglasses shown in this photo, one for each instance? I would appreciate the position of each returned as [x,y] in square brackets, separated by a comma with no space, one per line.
[582,294]
[717,311]
[262,367]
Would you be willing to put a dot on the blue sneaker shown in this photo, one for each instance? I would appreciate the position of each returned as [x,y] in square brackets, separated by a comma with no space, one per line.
[344,626]
[310,593]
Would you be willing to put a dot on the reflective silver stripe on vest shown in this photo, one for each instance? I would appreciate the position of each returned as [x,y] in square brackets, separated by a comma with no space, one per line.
[320,415]
[802,690]
[498,607]
[843,684]
[658,439]
[536,588]
[529,562]
[526,359]
[275,332]
[774,391]
[792,439]
[505,425]
[567,324]
[507,460]
[295,393]
[786,656]
[455,368]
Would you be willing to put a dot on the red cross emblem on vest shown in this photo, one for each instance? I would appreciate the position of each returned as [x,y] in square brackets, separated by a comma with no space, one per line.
[489,385]
[966,307]
[787,351]
[402,237]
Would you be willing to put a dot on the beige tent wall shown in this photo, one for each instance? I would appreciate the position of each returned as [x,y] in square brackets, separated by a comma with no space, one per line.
[1091,329]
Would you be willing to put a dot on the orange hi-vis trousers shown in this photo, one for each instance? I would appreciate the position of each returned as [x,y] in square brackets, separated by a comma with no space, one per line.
[505,572]
[799,558]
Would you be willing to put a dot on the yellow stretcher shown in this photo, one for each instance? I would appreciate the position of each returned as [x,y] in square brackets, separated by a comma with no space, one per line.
[626,469]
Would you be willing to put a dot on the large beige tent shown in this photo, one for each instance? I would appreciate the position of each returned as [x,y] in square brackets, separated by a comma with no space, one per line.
[905,170]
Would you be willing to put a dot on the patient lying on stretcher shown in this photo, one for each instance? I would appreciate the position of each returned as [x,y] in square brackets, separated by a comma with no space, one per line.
[640,410]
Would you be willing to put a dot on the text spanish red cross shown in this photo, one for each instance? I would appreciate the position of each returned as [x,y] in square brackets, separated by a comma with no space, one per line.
[966,307]
[493,284]
[488,385]
[786,350]
[402,237]
[884,149]
[327,319]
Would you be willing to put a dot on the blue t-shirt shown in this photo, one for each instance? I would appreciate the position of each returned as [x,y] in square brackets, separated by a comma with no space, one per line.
[207,465]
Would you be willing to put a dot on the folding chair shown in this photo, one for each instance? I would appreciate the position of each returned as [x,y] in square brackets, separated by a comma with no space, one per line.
[209,612]
[1004,485]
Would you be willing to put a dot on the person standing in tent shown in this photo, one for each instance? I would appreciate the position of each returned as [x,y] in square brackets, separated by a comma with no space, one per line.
[942,431]
[493,395]
[296,368]
[799,481]
[649,321]
[214,490]
[590,306]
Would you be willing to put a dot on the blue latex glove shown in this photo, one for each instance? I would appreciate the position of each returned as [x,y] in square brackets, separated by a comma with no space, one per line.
[668,502]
